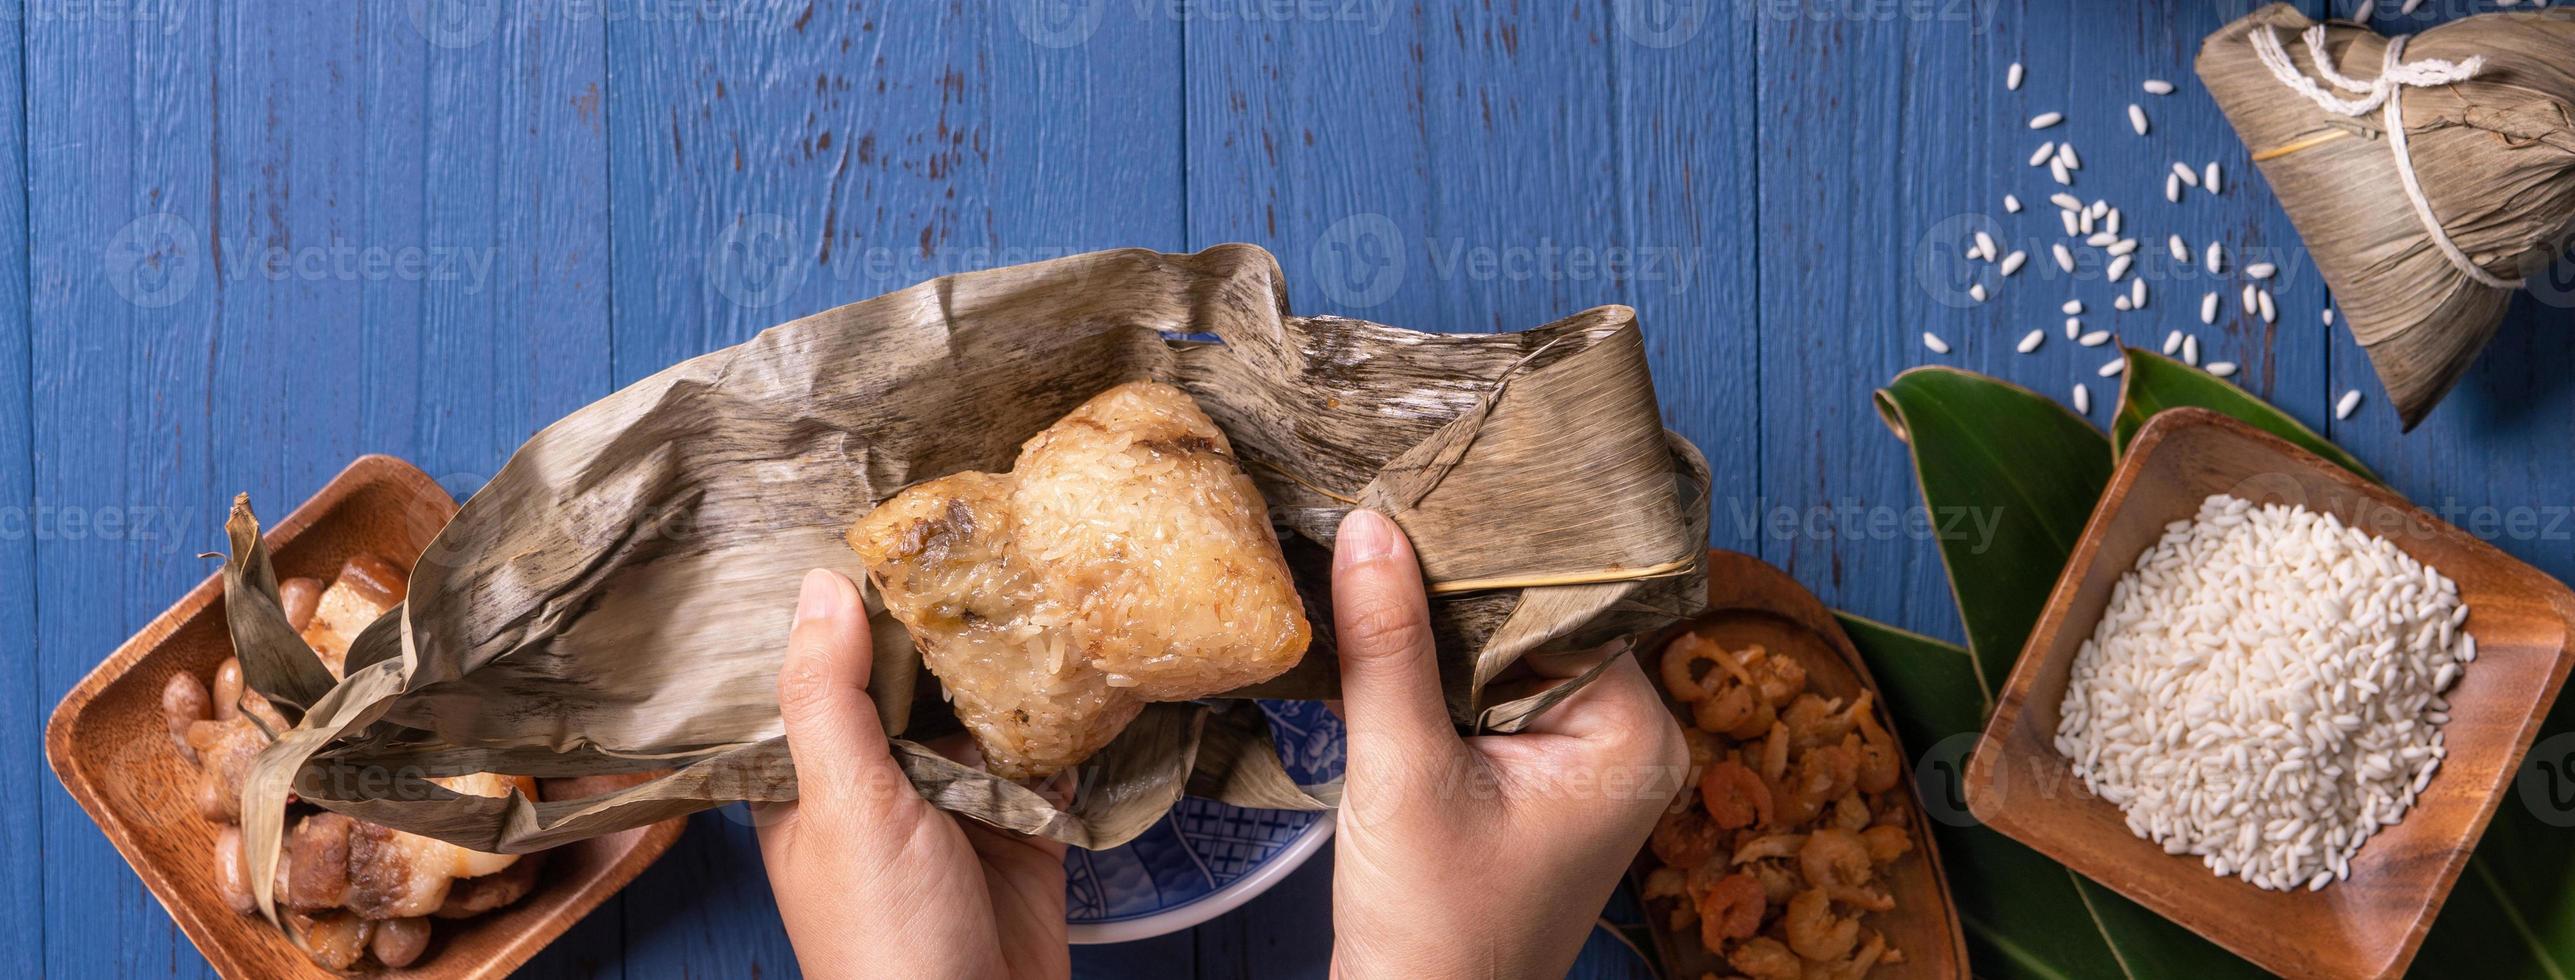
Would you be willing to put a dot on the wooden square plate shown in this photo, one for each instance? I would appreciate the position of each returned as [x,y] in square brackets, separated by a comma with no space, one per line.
[2372,923]
[109,746]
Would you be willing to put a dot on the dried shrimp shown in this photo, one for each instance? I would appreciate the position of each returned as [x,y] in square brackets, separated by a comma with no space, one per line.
[1780,845]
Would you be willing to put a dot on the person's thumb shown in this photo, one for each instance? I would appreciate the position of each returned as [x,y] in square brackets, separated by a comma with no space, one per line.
[841,756]
[1390,686]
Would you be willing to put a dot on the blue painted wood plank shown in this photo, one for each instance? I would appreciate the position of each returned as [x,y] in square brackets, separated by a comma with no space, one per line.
[248,296]
[23,772]
[1889,142]
[1689,168]
[1435,168]
[788,159]
[1473,168]
[121,296]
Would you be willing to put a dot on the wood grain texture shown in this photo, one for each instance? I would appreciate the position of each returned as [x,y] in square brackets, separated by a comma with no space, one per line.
[298,252]
[2370,924]
[22,696]
[108,743]
[1689,173]
[787,158]
[1890,141]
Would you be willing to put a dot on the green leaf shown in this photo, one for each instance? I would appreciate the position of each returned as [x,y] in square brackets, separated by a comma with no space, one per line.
[2009,477]
[2512,914]
[2154,383]
[2026,916]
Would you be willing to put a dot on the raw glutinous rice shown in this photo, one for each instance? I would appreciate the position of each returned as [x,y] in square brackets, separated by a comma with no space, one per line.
[2264,691]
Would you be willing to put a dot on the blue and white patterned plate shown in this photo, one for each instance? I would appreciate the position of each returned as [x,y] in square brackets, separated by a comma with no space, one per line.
[1205,858]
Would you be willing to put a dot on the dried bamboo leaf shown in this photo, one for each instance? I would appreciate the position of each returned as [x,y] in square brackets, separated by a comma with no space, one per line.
[615,599]
[286,671]
[2494,157]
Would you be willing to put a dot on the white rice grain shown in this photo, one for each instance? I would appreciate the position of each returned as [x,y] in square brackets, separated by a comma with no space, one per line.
[2209,179]
[1976,291]
[2012,263]
[2032,340]
[2082,399]
[2045,153]
[2190,350]
[1933,341]
[2072,307]
[2012,77]
[2095,338]
[2011,204]
[2261,270]
[2185,174]
[2046,119]
[2216,702]
[2156,86]
[2113,368]
[2223,369]
[2349,403]
[2208,308]
[2065,155]
[2137,118]
[2119,266]
[2172,189]
[2064,256]
[2172,342]
[2137,294]
[2073,328]
[2181,250]
[2216,259]
[2270,311]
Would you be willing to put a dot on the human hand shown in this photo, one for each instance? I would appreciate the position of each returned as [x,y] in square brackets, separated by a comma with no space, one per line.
[871,879]
[1478,857]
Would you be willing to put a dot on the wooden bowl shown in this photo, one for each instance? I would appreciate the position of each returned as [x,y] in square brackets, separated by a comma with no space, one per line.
[1751,602]
[108,745]
[2371,923]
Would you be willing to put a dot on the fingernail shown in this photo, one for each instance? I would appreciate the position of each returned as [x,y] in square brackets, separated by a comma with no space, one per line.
[1365,536]
[822,596]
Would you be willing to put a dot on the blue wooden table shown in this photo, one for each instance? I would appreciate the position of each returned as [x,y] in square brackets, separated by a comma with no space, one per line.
[247,242]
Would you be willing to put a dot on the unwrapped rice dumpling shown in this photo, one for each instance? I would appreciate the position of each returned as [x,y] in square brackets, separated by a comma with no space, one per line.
[1124,559]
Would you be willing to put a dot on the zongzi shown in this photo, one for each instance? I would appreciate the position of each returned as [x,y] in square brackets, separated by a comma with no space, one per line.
[1124,559]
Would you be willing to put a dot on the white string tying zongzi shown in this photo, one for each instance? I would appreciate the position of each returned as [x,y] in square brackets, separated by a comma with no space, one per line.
[2382,94]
